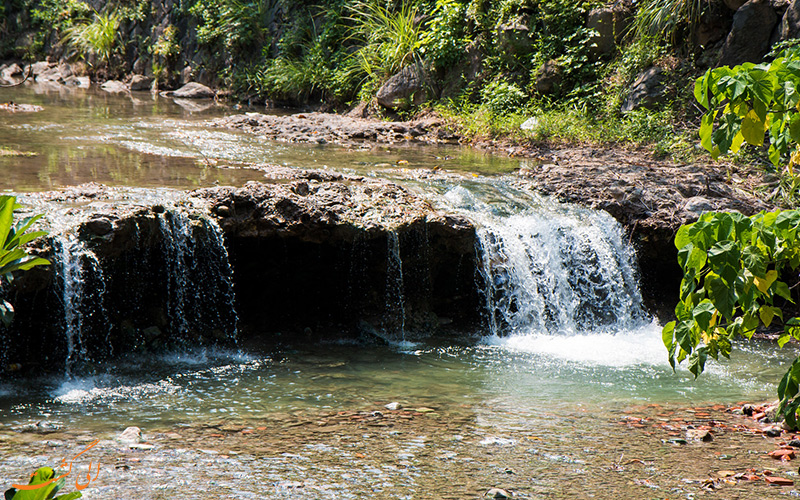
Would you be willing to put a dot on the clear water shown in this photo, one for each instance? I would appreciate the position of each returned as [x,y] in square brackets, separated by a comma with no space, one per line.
[148,141]
[537,412]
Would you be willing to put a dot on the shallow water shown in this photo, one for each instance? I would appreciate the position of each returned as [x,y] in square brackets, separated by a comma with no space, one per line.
[303,420]
[144,140]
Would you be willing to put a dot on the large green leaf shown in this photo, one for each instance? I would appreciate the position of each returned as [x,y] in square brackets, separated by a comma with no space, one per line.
[753,128]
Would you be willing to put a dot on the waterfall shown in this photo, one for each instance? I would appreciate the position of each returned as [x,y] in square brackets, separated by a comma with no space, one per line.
[82,287]
[395,286]
[199,295]
[549,268]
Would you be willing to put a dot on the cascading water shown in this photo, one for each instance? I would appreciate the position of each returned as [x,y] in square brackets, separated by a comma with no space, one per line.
[395,286]
[76,267]
[200,278]
[550,268]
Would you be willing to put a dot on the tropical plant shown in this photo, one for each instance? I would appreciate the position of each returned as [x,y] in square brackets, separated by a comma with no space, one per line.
[13,256]
[44,476]
[99,37]
[746,102]
[736,271]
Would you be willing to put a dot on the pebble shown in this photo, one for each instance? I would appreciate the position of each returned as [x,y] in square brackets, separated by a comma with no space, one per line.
[393,406]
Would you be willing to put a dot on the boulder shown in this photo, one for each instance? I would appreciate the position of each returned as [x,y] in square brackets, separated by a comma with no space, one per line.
[131,435]
[610,23]
[647,91]
[141,82]
[713,26]
[11,71]
[734,4]
[405,86]
[191,90]
[549,77]
[114,87]
[514,37]
[790,24]
[749,39]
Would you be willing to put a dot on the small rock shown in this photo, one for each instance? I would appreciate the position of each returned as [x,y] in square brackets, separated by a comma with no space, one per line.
[748,409]
[795,443]
[131,435]
[699,435]
[78,81]
[773,431]
[222,210]
[393,406]
[498,493]
[696,205]
[778,481]
[782,454]
[99,227]
[530,124]
[140,446]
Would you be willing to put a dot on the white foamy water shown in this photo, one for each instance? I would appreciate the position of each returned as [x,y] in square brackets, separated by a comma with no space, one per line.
[641,346]
[83,391]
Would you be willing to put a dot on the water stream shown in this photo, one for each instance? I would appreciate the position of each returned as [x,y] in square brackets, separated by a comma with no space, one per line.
[567,351]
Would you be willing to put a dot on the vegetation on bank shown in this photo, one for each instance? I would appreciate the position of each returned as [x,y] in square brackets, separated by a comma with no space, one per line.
[482,62]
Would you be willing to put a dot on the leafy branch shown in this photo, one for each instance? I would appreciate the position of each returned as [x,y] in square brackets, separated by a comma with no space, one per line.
[732,285]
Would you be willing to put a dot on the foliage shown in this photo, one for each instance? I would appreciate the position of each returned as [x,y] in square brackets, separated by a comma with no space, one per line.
[99,37]
[734,270]
[13,256]
[42,475]
[446,38]
[664,19]
[234,25]
[167,47]
[502,97]
[746,102]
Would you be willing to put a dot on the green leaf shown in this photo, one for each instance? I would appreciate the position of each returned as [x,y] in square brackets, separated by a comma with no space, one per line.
[766,313]
[701,89]
[763,284]
[697,361]
[703,313]
[722,297]
[782,290]
[753,128]
[706,128]
[683,336]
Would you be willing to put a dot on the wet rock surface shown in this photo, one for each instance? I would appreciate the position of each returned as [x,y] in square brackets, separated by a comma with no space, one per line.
[321,128]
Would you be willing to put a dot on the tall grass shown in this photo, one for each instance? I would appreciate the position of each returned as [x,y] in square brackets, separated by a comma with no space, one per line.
[99,37]
[389,39]
[664,19]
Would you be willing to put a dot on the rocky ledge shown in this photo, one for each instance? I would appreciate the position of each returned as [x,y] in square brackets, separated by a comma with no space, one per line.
[308,255]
